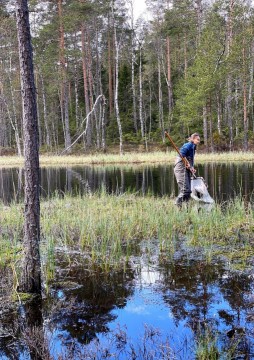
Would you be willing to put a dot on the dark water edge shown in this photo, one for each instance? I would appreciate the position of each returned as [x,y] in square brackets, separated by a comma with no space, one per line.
[225,181]
[154,304]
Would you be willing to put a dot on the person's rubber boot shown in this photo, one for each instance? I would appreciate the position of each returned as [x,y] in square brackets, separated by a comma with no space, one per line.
[179,202]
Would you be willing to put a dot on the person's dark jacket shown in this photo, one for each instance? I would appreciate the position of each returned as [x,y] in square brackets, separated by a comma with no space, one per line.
[188,151]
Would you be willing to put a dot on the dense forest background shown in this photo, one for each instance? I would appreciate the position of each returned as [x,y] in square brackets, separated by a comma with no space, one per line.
[105,79]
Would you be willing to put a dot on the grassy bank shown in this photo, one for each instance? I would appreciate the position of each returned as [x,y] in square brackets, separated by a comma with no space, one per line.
[128,158]
[105,228]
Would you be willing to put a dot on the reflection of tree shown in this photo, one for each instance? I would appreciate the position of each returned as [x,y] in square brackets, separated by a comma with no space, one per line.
[192,287]
[21,325]
[225,180]
[188,289]
[85,309]
[33,331]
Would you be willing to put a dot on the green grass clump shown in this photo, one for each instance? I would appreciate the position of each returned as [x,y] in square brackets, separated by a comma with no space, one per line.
[104,228]
[206,346]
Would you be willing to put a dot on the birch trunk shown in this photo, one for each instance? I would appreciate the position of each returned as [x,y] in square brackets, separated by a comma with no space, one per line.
[116,86]
[141,93]
[205,126]
[218,113]
[133,71]
[169,82]
[15,120]
[161,120]
[110,80]
[211,125]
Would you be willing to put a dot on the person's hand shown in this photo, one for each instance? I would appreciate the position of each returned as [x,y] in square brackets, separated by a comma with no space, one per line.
[192,170]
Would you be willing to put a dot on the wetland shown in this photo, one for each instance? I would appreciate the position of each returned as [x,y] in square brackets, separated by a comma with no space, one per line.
[125,274]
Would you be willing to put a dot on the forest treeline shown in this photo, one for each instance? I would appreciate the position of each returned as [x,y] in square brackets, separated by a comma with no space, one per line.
[104,78]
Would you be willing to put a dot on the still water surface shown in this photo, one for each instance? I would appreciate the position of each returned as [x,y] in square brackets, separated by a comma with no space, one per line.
[87,315]
[225,181]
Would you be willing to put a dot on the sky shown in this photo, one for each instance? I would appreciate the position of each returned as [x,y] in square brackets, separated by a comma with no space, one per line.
[139,8]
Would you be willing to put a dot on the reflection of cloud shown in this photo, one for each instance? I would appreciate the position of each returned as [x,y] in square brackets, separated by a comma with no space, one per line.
[171,315]
[140,310]
[149,276]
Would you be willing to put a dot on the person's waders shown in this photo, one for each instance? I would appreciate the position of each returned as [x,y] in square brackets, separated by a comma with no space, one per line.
[183,178]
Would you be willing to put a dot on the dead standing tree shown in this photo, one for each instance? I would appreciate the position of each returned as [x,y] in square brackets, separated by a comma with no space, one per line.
[31,272]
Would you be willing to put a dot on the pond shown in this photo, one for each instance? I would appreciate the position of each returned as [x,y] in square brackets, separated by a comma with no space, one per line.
[225,181]
[150,309]
[155,306]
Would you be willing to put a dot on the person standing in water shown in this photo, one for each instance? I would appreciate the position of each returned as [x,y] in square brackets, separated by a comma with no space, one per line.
[183,173]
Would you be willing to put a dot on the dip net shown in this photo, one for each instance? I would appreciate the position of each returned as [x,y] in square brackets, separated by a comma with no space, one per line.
[199,191]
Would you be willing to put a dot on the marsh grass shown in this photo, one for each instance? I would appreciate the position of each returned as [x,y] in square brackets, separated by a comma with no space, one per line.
[206,345]
[104,229]
[165,157]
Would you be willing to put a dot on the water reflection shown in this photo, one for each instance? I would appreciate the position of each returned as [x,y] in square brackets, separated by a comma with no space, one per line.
[182,297]
[225,181]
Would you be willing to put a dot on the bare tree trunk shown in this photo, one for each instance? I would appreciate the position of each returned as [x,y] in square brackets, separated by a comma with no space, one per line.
[150,110]
[31,276]
[133,70]
[211,124]
[15,121]
[205,126]
[76,85]
[110,80]
[45,111]
[98,90]
[245,116]
[161,120]
[86,88]
[229,78]
[236,97]
[38,110]
[218,113]
[185,56]
[116,85]
[90,83]
[251,72]
[64,90]
[3,128]
[77,109]
[169,82]
[141,93]
[103,126]
[199,17]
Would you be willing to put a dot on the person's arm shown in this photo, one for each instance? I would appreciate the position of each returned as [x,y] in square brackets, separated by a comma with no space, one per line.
[185,150]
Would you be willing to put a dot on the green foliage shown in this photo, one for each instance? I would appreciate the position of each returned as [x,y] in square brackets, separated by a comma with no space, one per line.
[210,57]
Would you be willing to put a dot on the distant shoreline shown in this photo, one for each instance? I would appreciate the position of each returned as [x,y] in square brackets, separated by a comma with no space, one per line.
[128,158]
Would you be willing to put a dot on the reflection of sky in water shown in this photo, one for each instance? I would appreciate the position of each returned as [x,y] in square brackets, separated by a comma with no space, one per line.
[174,298]
[149,306]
